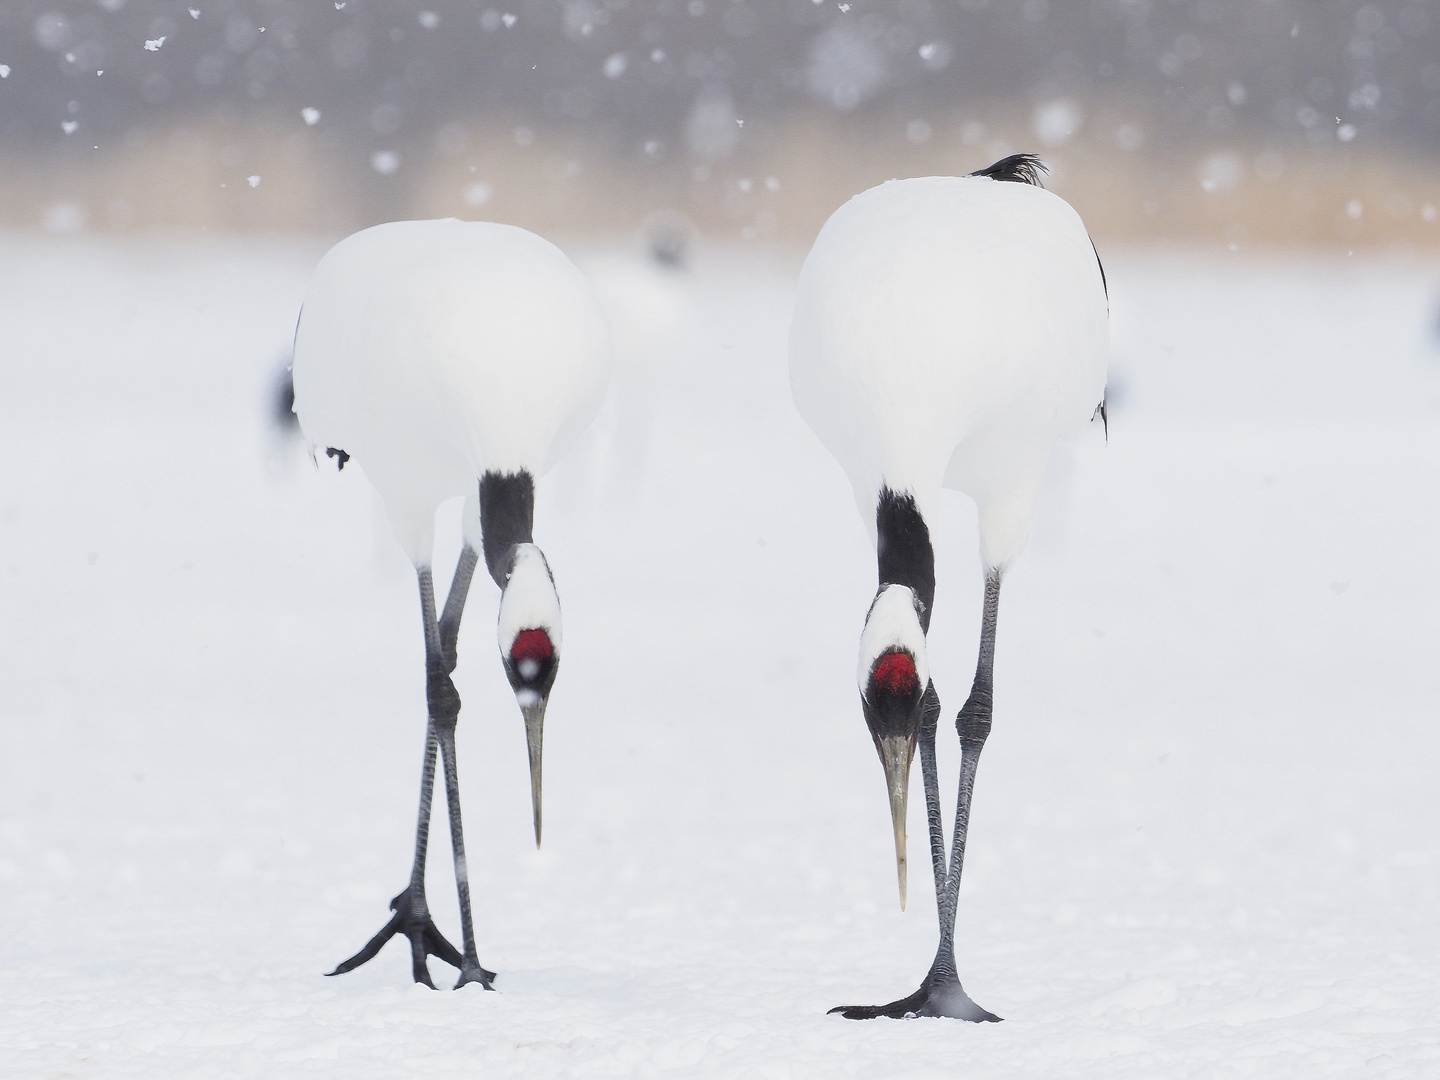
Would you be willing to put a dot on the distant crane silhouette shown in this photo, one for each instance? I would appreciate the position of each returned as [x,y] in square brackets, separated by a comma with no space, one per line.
[452,358]
[648,297]
[948,331]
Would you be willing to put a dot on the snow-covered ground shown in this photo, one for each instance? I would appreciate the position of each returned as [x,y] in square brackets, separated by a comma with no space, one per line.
[1205,833]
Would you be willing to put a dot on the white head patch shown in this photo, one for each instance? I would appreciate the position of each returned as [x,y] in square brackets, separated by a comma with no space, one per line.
[893,623]
[529,600]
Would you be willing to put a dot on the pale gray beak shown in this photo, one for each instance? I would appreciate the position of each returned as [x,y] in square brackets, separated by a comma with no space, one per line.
[534,714]
[896,752]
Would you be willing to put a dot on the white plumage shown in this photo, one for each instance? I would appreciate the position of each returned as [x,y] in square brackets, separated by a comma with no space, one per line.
[948,331]
[529,599]
[435,351]
[893,622]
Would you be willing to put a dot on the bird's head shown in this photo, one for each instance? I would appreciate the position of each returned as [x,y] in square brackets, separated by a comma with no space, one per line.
[529,635]
[893,676]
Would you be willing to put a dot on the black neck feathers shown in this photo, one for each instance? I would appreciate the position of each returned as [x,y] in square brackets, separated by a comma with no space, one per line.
[507,516]
[902,544]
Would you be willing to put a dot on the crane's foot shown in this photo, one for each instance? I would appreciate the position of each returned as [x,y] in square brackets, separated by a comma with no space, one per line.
[412,918]
[938,996]
[472,972]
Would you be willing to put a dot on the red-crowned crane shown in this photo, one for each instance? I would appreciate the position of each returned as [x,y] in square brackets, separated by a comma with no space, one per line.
[452,358]
[948,332]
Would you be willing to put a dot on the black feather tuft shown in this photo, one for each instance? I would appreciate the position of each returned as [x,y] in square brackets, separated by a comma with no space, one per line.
[1017,169]
[902,546]
[507,518]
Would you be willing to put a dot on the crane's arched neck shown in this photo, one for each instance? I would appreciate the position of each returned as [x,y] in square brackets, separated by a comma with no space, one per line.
[903,550]
[507,518]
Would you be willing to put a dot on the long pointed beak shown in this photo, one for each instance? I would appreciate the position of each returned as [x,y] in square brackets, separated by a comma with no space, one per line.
[896,752]
[534,714]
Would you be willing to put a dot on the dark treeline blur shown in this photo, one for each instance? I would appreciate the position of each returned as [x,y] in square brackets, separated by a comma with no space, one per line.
[664,92]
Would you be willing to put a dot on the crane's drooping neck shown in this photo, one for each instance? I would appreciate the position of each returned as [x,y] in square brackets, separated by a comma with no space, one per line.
[903,550]
[507,517]
[529,605]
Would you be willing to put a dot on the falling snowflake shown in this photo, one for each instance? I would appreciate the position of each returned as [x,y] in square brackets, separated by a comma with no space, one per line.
[63,219]
[1055,122]
[153,45]
[935,55]
[1221,173]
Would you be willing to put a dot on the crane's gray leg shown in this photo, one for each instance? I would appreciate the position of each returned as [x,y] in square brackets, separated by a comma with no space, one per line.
[440,645]
[940,993]
[946,996]
[929,721]
[447,631]
[412,915]
[455,604]
[470,969]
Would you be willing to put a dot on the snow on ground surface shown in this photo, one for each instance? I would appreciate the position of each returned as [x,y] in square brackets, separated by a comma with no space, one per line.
[1204,840]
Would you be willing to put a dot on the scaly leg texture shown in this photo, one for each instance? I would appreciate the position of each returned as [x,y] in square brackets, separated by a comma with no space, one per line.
[940,993]
[412,914]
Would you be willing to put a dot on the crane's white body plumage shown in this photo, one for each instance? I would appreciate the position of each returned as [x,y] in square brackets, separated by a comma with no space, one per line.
[435,351]
[948,331]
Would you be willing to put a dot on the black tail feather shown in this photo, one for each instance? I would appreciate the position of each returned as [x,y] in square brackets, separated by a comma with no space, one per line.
[1017,169]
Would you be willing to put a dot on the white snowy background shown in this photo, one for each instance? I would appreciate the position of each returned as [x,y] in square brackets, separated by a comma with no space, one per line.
[1205,833]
